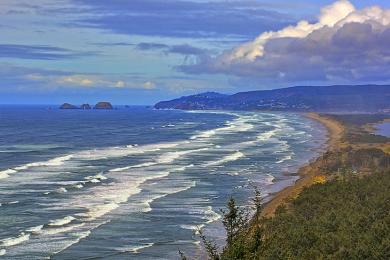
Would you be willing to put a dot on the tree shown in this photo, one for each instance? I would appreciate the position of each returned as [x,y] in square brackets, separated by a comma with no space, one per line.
[210,246]
[234,220]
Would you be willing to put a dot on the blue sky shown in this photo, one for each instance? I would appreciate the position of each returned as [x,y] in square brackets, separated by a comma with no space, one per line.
[143,51]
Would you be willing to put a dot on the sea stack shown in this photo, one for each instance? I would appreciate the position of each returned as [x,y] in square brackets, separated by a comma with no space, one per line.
[85,106]
[68,106]
[103,105]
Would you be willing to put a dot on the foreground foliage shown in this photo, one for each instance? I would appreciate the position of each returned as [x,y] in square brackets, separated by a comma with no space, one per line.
[340,219]
[336,220]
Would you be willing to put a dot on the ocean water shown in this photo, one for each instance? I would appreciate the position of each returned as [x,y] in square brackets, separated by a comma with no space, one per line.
[383,129]
[136,183]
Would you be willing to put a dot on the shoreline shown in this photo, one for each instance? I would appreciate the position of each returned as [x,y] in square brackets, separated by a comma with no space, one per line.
[308,172]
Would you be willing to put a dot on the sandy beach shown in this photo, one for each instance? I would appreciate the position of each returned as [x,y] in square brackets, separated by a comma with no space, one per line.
[309,172]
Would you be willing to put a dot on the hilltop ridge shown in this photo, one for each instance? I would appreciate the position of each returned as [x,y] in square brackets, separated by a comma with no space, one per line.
[337,98]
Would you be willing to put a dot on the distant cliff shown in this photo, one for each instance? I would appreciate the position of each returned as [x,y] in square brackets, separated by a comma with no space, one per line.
[362,98]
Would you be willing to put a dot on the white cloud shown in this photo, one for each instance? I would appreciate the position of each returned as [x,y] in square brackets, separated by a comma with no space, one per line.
[149,85]
[344,43]
[330,15]
[89,81]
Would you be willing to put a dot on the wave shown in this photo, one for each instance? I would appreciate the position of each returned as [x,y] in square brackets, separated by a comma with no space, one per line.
[23,148]
[119,192]
[54,231]
[79,236]
[211,216]
[62,221]
[269,179]
[208,214]
[123,151]
[58,161]
[133,166]
[267,135]
[78,186]
[12,241]
[133,249]
[285,158]
[240,124]
[172,156]
[95,178]
[229,158]
[35,229]
[98,211]
[5,174]
[170,192]
[194,228]
[61,190]
[162,159]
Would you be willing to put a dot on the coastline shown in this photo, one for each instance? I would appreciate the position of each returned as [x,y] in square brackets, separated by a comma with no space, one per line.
[307,173]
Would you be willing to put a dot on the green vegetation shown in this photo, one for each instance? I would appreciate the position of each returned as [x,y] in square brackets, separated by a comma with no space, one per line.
[341,219]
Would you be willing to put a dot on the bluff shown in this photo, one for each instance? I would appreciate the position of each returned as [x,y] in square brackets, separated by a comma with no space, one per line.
[338,98]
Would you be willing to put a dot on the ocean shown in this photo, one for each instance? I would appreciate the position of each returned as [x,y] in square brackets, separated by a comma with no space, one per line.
[383,129]
[136,183]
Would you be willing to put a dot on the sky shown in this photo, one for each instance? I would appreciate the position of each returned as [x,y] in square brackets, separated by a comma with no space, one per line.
[138,52]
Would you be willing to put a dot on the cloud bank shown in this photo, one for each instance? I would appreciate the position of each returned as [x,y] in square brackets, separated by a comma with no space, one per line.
[188,19]
[345,44]
[39,52]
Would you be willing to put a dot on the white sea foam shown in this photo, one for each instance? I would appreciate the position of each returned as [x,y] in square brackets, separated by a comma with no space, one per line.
[133,166]
[2,252]
[61,221]
[172,156]
[134,249]
[126,186]
[285,158]
[35,229]
[62,190]
[171,191]
[194,228]
[208,214]
[12,241]
[165,158]
[123,151]
[6,173]
[95,178]
[211,215]
[98,211]
[54,231]
[269,179]
[79,236]
[267,135]
[58,161]
[240,124]
[78,186]
[229,158]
